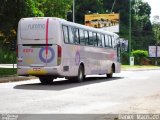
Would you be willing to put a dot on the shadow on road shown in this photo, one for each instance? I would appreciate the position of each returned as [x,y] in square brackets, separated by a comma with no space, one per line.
[65,84]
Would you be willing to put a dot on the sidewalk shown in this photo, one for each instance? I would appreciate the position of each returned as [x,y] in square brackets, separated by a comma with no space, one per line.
[15,78]
[8,65]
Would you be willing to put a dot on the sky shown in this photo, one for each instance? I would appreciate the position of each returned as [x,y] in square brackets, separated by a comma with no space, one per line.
[155,7]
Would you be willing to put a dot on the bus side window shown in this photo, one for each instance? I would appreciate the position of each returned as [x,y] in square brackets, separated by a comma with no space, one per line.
[106,41]
[95,40]
[76,35]
[110,41]
[65,34]
[81,35]
[90,42]
[103,40]
[99,39]
[71,37]
[113,42]
[86,37]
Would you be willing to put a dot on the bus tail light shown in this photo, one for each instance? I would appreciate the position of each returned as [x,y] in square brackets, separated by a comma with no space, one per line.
[59,55]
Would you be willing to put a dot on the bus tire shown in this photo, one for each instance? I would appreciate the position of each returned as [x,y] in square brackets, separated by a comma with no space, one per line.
[46,80]
[81,75]
[110,75]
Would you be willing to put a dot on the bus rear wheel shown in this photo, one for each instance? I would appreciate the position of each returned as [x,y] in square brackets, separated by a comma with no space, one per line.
[46,79]
[110,75]
[81,75]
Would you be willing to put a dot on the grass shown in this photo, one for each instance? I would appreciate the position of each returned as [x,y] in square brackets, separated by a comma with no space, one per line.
[139,66]
[7,71]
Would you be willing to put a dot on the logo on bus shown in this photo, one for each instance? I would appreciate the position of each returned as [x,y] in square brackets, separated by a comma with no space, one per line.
[49,58]
[36,26]
[77,58]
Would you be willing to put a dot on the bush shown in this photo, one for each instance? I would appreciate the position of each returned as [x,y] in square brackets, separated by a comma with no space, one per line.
[153,60]
[140,57]
[6,55]
[7,71]
[124,58]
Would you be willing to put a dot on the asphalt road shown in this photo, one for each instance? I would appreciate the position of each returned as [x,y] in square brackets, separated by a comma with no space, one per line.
[127,92]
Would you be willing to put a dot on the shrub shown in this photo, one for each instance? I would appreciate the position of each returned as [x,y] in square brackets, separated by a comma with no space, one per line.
[6,55]
[140,57]
[124,58]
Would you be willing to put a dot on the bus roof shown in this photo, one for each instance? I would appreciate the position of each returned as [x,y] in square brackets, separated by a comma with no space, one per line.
[63,21]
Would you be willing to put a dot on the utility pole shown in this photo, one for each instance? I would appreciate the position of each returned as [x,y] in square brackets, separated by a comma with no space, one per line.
[130,19]
[73,10]
[113,5]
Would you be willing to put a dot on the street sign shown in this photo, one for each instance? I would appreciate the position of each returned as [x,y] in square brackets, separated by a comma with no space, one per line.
[108,22]
[152,51]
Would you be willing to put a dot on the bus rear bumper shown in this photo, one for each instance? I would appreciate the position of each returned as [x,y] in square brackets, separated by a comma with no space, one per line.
[38,71]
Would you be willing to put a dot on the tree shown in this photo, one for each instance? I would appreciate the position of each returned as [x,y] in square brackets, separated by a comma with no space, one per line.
[140,12]
[11,12]
[55,8]
[156,28]
[121,7]
[142,33]
[83,7]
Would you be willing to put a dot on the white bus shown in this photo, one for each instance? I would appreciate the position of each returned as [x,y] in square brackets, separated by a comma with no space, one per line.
[51,47]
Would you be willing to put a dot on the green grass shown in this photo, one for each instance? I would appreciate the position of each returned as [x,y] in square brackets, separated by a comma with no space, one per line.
[139,66]
[7,71]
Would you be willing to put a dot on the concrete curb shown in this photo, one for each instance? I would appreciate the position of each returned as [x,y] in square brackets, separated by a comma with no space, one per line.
[15,78]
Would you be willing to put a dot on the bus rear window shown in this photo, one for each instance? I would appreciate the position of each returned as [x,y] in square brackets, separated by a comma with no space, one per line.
[32,29]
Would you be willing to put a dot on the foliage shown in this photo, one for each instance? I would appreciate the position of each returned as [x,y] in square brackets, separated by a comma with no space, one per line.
[125,58]
[143,33]
[7,56]
[85,6]
[139,56]
[11,12]
[156,28]
[140,53]
[7,71]
[153,61]
[55,8]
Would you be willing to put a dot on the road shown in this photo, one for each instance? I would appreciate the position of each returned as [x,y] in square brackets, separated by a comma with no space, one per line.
[126,92]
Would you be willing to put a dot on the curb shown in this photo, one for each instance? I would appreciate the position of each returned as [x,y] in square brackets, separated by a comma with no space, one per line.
[15,79]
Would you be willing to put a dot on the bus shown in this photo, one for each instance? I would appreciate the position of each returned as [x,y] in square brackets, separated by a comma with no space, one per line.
[50,47]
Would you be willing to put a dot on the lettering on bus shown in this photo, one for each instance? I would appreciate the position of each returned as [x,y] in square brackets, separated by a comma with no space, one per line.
[28,50]
[36,26]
